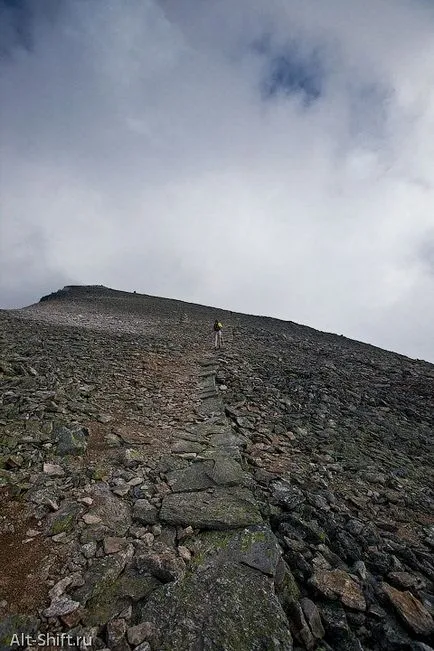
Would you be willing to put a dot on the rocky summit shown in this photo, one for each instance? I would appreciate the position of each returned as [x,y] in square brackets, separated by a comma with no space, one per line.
[156,494]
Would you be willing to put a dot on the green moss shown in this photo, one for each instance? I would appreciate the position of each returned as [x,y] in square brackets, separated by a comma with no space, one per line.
[104,602]
[252,538]
[16,625]
[64,519]
[99,473]
[17,491]
[209,543]
[63,523]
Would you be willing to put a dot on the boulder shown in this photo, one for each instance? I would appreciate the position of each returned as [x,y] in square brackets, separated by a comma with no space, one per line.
[411,610]
[71,440]
[223,602]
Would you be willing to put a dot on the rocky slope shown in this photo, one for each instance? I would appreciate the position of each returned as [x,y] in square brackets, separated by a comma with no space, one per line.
[157,495]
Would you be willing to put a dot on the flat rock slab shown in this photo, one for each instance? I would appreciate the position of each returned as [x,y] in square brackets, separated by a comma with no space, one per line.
[207,373]
[61,606]
[226,471]
[191,436]
[194,478]
[411,610]
[313,618]
[210,406]
[168,462]
[227,601]
[255,546]
[220,470]
[211,361]
[224,508]
[186,446]
[233,453]
[225,443]
[211,427]
[227,439]
[339,583]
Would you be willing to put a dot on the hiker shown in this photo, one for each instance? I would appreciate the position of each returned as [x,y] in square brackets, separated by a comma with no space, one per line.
[218,337]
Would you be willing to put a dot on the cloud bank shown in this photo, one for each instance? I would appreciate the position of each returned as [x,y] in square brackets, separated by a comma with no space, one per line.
[269,157]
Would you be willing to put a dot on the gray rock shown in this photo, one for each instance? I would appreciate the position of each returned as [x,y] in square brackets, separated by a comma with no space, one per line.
[104,418]
[102,574]
[114,512]
[339,583]
[71,440]
[113,545]
[227,438]
[59,588]
[47,496]
[113,440]
[134,585]
[224,508]
[299,627]
[186,446]
[355,527]
[94,534]
[90,518]
[391,635]
[220,604]
[138,634]
[64,520]
[122,490]
[116,630]
[403,580]
[144,646]
[360,569]
[334,619]
[194,478]
[375,478]
[144,512]
[165,564]
[226,471]
[88,550]
[61,606]
[313,618]
[258,548]
[287,495]
[53,470]
[286,586]
[167,463]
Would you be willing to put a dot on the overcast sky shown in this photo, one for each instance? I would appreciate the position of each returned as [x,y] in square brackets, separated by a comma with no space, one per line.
[274,157]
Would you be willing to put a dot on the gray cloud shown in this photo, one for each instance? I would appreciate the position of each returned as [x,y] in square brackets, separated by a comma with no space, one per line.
[140,152]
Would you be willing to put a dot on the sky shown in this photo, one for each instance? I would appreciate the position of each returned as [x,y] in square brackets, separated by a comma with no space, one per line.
[272,157]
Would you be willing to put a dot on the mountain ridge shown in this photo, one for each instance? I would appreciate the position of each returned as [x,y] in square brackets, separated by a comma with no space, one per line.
[98,292]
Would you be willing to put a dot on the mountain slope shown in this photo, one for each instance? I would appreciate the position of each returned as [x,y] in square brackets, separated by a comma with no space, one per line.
[334,438]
